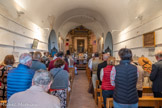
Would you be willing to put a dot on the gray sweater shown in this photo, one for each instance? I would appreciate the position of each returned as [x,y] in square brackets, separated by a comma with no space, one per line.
[61,78]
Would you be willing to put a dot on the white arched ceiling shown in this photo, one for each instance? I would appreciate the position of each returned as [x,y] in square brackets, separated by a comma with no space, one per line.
[76,17]
[100,16]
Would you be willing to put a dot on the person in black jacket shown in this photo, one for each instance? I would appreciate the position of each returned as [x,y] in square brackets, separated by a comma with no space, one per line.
[102,65]
[156,75]
[124,77]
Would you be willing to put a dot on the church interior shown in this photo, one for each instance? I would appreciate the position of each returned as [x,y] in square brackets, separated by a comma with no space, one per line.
[81,29]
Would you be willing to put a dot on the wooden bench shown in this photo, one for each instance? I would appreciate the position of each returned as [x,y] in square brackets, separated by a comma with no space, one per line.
[88,71]
[72,70]
[147,90]
[145,101]
[3,103]
[97,91]
[67,98]
[100,99]
[71,79]
[72,75]
[100,102]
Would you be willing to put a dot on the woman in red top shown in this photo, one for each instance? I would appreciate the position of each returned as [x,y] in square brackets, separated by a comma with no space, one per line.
[107,88]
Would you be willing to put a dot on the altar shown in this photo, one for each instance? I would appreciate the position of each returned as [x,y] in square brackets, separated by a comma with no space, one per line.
[80,40]
[82,58]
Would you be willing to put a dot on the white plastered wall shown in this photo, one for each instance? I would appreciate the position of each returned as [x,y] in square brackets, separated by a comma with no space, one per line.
[17,34]
[132,38]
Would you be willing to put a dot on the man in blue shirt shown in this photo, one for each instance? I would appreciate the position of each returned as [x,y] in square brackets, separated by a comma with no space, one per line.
[20,78]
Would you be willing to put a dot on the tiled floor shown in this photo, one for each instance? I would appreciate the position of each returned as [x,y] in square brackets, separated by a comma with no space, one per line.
[80,98]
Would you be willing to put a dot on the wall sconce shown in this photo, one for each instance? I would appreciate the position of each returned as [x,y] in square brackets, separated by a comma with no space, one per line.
[140,17]
[19,13]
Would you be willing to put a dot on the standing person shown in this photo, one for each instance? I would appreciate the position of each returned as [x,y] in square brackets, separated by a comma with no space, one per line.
[32,53]
[55,56]
[90,61]
[124,78]
[140,79]
[95,63]
[66,58]
[102,65]
[107,88]
[36,64]
[70,61]
[8,65]
[59,56]
[156,75]
[45,59]
[20,78]
[36,96]
[60,84]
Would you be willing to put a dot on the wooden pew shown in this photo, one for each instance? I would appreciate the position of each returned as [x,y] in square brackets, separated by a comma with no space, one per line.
[97,91]
[67,98]
[147,90]
[87,70]
[72,70]
[100,99]
[100,102]
[88,74]
[71,79]
[3,103]
[72,74]
[145,101]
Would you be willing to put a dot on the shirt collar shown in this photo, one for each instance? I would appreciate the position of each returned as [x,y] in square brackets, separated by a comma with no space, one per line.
[36,88]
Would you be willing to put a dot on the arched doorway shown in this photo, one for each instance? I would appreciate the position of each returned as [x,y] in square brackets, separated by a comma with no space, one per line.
[108,45]
[52,43]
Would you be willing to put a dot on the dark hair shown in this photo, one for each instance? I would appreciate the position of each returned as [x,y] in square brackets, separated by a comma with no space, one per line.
[96,54]
[9,60]
[125,54]
[60,54]
[58,63]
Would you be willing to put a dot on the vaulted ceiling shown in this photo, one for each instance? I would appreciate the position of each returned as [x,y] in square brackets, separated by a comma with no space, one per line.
[100,16]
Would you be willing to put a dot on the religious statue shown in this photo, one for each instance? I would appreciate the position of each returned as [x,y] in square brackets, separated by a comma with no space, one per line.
[108,50]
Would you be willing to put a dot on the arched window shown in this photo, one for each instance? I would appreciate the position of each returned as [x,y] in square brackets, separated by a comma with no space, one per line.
[52,43]
[108,45]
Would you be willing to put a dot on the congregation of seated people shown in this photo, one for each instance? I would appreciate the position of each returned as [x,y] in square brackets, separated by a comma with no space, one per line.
[43,81]
[123,81]
[36,82]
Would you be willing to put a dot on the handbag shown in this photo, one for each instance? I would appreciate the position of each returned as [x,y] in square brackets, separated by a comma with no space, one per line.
[91,88]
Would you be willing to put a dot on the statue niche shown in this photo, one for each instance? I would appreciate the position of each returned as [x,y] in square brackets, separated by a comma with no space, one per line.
[80,45]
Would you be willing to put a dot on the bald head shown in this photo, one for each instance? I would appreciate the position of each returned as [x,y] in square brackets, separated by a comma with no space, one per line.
[105,57]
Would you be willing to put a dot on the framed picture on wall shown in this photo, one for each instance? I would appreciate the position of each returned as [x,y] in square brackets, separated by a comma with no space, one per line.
[149,39]
[35,44]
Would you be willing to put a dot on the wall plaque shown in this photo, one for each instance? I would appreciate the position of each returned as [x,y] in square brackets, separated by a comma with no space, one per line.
[149,39]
